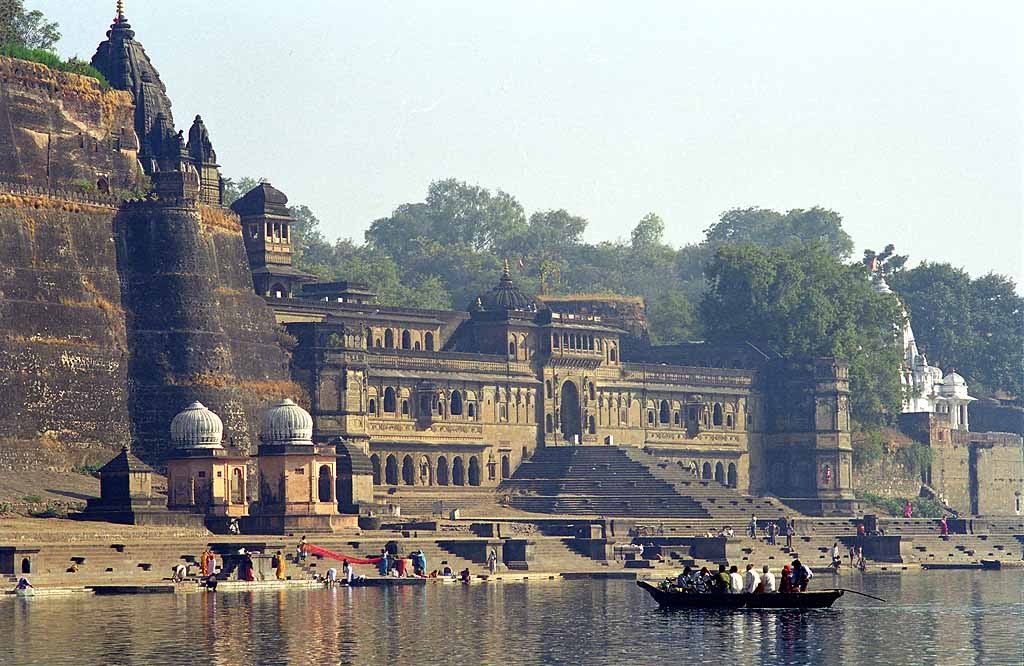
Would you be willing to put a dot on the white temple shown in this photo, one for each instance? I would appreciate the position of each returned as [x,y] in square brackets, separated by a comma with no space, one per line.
[929,390]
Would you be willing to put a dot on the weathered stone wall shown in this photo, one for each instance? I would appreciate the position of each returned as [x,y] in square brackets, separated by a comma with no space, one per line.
[196,329]
[991,416]
[60,130]
[62,335]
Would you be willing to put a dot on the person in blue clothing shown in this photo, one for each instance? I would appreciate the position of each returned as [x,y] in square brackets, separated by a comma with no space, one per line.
[384,566]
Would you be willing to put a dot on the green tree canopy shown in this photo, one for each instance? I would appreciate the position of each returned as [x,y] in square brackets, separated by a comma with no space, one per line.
[769,228]
[29,29]
[975,326]
[804,302]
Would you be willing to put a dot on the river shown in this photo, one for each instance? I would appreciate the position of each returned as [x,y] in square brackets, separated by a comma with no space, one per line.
[953,617]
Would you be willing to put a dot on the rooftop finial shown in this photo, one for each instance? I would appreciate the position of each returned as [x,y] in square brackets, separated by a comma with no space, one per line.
[505,272]
[120,10]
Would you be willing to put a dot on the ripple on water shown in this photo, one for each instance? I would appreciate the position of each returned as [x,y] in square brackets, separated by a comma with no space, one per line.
[961,617]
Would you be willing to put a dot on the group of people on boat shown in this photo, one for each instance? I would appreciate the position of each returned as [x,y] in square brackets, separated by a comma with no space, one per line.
[793,578]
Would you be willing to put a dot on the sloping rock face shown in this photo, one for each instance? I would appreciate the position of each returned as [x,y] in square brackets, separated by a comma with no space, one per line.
[196,330]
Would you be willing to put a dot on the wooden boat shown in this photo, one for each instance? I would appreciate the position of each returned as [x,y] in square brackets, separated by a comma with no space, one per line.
[26,592]
[666,599]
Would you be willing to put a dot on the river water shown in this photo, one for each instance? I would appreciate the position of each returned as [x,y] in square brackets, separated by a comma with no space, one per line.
[956,617]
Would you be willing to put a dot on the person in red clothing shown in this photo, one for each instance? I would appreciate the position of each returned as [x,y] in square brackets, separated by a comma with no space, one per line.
[400,565]
[943,526]
[786,579]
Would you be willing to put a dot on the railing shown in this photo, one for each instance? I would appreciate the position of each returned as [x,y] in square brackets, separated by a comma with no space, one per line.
[77,196]
[688,375]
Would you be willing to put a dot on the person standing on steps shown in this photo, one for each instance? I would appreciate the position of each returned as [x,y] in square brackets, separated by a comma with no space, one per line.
[752,527]
[492,561]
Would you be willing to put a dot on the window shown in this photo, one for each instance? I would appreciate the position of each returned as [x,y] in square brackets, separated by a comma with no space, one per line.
[555,341]
[592,426]
[650,417]
[512,348]
[548,423]
[547,388]
[406,340]
[270,230]
[284,232]
[593,391]
[428,341]
[369,338]
[612,355]
[456,406]
[728,420]
[663,414]
[389,400]
[717,417]
[372,409]
[471,410]
[389,339]
[405,407]
[675,419]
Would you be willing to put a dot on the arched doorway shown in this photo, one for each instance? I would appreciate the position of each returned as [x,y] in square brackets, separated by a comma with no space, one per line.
[569,416]
[389,339]
[391,471]
[375,463]
[26,565]
[406,340]
[719,473]
[408,473]
[428,341]
[705,472]
[458,472]
[442,471]
[505,471]
[474,471]
[324,484]
[455,408]
[425,470]
[732,475]
[237,486]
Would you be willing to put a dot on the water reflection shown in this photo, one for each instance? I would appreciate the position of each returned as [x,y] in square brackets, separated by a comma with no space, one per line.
[932,618]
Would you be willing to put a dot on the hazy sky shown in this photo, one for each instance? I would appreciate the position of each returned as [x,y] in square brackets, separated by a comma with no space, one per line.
[907,118]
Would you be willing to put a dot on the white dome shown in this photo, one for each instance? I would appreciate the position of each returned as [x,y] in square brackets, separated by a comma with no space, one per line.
[955,380]
[286,423]
[196,427]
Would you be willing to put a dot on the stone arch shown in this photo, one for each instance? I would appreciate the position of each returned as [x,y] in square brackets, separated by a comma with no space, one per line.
[705,472]
[408,471]
[389,339]
[389,400]
[612,354]
[405,407]
[663,412]
[506,468]
[406,340]
[369,338]
[471,410]
[512,349]
[26,565]
[455,404]
[525,455]
[592,425]
[391,470]
[570,420]
[676,419]
[375,464]
[428,341]
[324,484]
[720,473]
[458,472]
[474,471]
[549,423]
[716,416]
[442,471]
[547,388]
[731,476]
[426,471]
[372,408]
[277,290]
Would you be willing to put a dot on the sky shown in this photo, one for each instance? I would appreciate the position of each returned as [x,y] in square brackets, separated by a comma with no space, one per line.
[906,118]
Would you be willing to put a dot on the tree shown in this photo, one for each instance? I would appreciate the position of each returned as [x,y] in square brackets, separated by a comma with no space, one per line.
[26,28]
[648,232]
[972,326]
[769,228]
[885,263]
[804,302]
[234,190]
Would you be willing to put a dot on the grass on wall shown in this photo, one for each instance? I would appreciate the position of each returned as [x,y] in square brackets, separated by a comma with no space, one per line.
[53,61]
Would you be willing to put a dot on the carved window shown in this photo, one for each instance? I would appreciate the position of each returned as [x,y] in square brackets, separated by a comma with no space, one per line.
[612,356]
[428,341]
[471,410]
[512,348]
[389,400]
[650,417]
[663,414]
[675,419]
[406,340]
[547,388]
[389,339]
[284,232]
[270,230]
[456,403]
[405,407]
[716,418]
[372,409]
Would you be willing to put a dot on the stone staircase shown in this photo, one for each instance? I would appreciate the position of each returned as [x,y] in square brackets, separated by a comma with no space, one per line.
[719,501]
[623,481]
[437,555]
[424,502]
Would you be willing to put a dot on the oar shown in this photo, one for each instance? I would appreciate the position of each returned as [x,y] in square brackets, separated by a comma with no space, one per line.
[862,594]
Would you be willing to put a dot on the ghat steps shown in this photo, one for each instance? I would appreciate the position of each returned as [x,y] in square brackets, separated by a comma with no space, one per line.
[620,481]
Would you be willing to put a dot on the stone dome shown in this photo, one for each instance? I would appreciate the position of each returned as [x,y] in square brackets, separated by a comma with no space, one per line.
[505,296]
[196,427]
[286,423]
[953,385]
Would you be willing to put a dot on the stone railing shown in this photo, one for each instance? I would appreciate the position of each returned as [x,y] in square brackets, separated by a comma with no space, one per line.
[447,362]
[724,377]
[77,196]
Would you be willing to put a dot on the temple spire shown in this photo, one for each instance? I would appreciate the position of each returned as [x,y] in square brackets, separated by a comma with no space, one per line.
[120,10]
[506,274]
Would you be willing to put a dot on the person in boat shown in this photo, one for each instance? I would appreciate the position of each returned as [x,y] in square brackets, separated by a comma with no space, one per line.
[279,566]
[684,581]
[735,580]
[751,580]
[767,580]
[702,581]
[786,580]
[802,575]
[23,584]
[464,575]
[722,580]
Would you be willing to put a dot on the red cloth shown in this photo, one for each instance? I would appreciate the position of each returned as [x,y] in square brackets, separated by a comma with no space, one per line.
[323,552]
[400,564]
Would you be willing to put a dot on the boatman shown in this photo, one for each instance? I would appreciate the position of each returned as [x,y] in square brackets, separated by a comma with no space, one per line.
[750,580]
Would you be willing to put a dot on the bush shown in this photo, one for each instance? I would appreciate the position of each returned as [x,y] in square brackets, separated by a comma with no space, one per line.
[923,507]
[52,510]
[53,61]
[914,457]
[868,449]
[31,499]
[5,508]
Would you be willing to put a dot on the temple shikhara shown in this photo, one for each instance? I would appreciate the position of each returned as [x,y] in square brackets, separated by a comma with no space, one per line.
[268,396]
